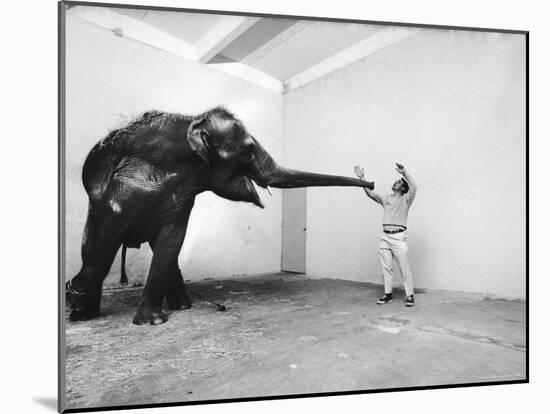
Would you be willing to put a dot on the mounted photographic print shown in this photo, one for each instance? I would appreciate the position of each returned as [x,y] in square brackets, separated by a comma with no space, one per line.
[266,206]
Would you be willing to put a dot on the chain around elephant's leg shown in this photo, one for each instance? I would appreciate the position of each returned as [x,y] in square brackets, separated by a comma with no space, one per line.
[83,292]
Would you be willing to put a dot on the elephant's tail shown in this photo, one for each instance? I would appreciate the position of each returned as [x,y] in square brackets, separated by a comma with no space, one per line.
[123,276]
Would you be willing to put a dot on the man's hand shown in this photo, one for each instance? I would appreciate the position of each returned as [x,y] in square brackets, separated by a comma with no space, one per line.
[359,172]
[400,168]
[372,195]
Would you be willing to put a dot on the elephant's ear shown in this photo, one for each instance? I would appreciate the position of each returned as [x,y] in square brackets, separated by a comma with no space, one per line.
[196,137]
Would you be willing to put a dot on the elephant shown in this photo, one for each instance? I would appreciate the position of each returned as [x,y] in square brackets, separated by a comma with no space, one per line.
[142,180]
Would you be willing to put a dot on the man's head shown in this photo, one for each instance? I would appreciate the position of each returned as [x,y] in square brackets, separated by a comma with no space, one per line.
[400,186]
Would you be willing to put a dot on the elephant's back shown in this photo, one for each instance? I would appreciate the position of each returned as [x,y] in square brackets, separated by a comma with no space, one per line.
[155,138]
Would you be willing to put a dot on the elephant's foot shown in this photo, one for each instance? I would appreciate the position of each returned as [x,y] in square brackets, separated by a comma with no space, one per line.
[177,300]
[84,314]
[84,304]
[150,315]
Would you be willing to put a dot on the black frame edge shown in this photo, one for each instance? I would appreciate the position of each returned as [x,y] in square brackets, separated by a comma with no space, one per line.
[527,206]
[61,16]
[286,16]
[291,396]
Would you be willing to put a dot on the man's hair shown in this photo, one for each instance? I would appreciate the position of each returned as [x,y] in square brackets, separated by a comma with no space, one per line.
[404,186]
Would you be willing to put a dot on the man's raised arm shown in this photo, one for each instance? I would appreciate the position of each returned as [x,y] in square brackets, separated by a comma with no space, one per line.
[361,175]
[412,185]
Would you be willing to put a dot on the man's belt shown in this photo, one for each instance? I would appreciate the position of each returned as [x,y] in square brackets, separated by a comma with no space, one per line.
[394,231]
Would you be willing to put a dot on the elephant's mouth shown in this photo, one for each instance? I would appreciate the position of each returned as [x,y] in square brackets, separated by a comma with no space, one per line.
[249,182]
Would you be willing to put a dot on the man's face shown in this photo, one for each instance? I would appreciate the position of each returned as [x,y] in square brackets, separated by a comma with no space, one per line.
[398,186]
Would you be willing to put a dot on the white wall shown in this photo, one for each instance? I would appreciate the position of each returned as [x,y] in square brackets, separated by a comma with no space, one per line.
[110,79]
[449,105]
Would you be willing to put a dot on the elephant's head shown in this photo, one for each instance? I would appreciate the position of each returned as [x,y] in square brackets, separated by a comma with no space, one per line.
[236,159]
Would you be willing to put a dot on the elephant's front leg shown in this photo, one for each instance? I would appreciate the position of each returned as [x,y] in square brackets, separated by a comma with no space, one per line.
[176,296]
[166,249]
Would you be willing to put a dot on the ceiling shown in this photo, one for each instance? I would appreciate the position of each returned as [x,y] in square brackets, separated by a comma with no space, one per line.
[279,53]
[189,27]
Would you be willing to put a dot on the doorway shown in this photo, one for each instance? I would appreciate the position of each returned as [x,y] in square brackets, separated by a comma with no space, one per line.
[294,230]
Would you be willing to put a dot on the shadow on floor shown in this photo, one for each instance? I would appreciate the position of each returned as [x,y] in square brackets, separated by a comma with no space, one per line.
[48,402]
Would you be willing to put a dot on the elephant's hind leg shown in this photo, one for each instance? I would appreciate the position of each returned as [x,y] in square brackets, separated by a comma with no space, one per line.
[83,298]
[83,292]
[107,221]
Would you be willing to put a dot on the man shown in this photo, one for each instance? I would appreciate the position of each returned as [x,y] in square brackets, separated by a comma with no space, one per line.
[393,243]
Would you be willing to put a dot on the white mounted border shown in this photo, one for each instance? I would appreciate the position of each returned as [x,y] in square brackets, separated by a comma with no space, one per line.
[370,45]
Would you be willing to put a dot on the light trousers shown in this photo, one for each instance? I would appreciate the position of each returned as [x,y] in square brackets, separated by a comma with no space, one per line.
[395,246]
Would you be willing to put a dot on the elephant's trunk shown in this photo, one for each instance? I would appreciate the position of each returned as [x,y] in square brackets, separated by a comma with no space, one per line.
[287,178]
[268,173]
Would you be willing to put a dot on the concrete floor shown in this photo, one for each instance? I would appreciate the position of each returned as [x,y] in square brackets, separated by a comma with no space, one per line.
[287,334]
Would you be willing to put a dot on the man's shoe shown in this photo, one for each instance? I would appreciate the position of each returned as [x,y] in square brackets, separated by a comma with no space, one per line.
[409,301]
[387,298]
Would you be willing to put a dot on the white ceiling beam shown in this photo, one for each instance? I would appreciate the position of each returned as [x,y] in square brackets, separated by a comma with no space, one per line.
[370,45]
[125,26]
[276,42]
[215,40]
[221,35]
[250,74]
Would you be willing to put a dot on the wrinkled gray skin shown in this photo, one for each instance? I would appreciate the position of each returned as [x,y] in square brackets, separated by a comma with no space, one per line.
[142,181]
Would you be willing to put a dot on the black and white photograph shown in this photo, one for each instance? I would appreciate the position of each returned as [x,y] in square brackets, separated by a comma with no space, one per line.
[268,206]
